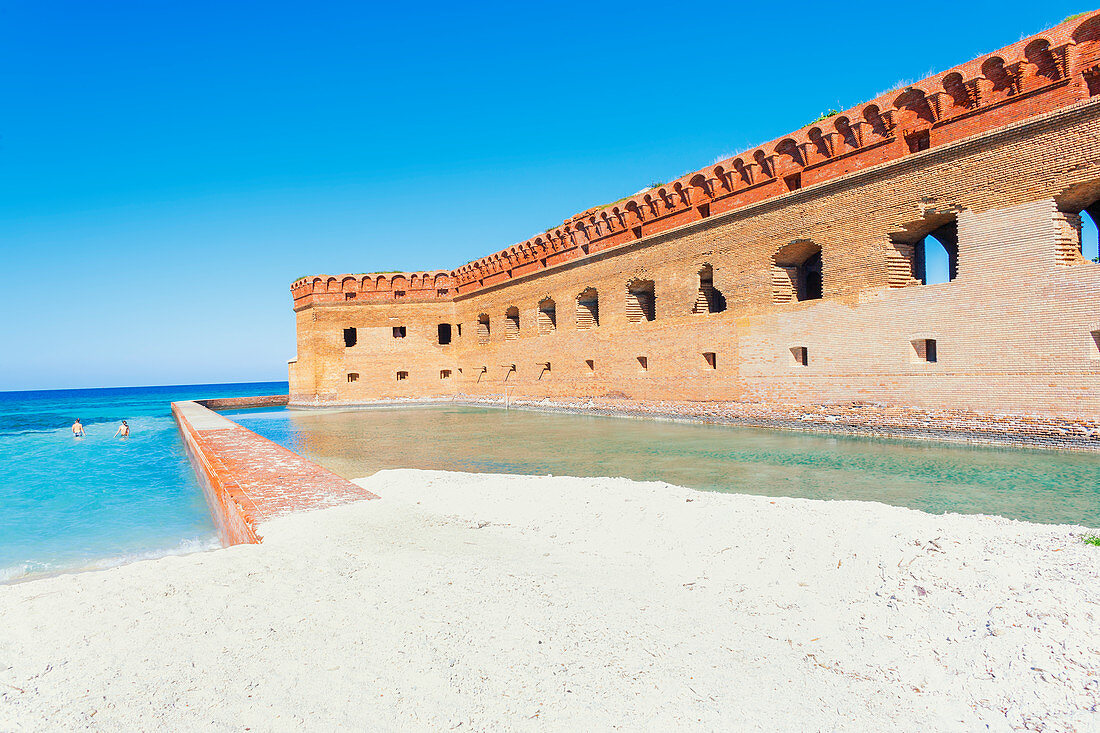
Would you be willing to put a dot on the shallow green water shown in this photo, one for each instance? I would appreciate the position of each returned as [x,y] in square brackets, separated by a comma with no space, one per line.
[1039,486]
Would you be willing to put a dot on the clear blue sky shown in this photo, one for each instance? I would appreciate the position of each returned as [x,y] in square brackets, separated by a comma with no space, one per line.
[166,169]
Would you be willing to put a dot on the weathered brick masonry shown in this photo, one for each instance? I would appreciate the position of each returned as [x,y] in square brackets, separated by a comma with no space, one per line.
[791,274]
[241,403]
[249,480]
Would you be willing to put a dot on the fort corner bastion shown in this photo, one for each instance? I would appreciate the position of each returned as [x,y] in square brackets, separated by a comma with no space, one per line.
[791,274]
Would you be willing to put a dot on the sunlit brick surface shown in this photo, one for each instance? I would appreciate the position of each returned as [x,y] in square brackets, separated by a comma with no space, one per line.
[248,479]
[1004,149]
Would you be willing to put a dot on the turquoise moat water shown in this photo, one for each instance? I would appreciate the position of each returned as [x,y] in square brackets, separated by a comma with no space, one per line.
[1032,485]
[74,504]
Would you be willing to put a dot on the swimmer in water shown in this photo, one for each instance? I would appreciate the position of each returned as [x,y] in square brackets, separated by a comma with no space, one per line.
[123,430]
[78,429]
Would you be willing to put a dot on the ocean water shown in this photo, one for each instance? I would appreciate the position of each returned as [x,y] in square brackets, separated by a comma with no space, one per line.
[1033,485]
[73,504]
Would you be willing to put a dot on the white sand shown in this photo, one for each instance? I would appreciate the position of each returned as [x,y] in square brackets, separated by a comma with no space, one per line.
[475,602]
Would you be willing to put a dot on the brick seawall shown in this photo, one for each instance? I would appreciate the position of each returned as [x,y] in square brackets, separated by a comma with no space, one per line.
[247,479]
[862,418]
[243,403]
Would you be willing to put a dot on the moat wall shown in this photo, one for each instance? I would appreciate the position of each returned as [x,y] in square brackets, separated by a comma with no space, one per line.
[1016,331]
[247,479]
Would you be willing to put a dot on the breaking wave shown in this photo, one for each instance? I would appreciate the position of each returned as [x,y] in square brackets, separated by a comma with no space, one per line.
[22,572]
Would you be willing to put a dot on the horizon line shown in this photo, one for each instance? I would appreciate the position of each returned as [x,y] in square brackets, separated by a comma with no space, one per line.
[141,386]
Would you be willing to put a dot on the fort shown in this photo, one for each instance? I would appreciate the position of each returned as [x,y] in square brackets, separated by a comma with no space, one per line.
[792,277]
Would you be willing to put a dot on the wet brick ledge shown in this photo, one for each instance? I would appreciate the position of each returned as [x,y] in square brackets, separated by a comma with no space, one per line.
[248,479]
[242,403]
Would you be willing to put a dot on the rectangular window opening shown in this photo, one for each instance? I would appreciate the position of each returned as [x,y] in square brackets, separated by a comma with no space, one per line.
[349,337]
[704,210]
[711,359]
[637,232]
[1095,352]
[918,141]
[402,376]
[353,377]
[398,293]
[800,356]
[1092,81]
[444,334]
[349,296]
[444,373]
[936,255]
[793,181]
[399,332]
[591,365]
[643,363]
[924,351]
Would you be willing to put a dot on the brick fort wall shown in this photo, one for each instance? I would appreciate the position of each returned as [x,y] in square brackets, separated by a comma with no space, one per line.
[791,274]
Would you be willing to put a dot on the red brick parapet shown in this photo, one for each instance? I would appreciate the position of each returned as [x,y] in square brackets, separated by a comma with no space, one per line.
[1053,69]
[386,287]
[248,480]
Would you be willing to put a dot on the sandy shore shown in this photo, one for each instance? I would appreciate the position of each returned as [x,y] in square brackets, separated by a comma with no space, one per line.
[475,602]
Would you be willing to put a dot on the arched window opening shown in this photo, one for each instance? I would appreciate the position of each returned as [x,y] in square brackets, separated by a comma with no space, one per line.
[511,324]
[1090,233]
[548,316]
[1042,62]
[1087,38]
[797,273]
[640,301]
[588,309]
[937,255]
[709,299]
[1077,222]
[482,329]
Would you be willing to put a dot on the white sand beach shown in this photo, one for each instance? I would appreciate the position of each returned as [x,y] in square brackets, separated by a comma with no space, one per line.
[478,602]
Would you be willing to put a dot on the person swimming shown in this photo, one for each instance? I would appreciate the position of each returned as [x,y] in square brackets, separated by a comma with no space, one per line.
[78,429]
[123,430]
